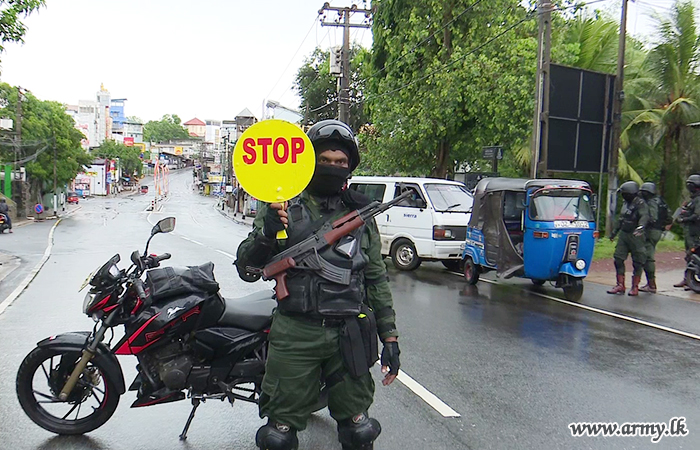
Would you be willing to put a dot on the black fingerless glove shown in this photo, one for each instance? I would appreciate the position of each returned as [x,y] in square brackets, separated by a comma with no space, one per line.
[390,357]
[272,223]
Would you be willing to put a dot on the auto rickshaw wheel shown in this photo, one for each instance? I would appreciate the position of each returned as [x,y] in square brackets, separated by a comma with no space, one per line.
[471,271]
[573,291]
[404,255]
[539,282]
[692,279]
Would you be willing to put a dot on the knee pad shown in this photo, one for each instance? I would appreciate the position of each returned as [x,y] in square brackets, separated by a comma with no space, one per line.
[619,265]
[358,432]
[276,436]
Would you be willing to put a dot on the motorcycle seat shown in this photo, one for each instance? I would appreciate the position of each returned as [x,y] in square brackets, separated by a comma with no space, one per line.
[252,312]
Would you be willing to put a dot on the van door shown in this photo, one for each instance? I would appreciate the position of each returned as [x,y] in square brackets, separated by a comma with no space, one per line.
[414,221]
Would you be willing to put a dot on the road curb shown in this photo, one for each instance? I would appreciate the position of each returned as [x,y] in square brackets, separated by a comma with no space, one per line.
[28,279]
[234,219]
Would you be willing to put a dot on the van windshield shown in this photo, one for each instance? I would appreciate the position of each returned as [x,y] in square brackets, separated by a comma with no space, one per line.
[449,197]
[562,204]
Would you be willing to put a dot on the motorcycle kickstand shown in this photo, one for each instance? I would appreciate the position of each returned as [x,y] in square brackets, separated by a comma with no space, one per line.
[195,405]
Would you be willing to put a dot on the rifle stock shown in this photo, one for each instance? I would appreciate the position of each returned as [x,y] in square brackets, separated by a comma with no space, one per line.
[278,271]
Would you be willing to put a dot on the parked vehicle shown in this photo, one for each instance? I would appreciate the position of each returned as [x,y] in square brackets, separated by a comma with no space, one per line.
[72,197]
[185,335]
[432,228]
[692,270]
[4,224]
[144,189]
[543,230]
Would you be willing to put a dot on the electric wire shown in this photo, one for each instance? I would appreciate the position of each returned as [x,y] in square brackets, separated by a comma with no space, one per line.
[292,58]
[446,65]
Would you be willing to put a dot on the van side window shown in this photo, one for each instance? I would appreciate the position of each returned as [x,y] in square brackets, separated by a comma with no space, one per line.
[408,203]
[375,192]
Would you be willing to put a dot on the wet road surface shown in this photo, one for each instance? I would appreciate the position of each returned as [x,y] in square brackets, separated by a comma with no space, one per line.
[517,367]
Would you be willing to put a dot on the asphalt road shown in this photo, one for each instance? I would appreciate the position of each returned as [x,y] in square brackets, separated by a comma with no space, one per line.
[516,366]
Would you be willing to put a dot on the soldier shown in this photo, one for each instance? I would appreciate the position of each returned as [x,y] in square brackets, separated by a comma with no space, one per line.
[310,328]
[690,218]
[658,219]
[631,225]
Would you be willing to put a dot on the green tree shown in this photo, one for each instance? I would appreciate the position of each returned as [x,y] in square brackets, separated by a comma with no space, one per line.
[168,128]
[129,159]
[663,101]
[11,27]
[318,88]
[45,127]
[448,77]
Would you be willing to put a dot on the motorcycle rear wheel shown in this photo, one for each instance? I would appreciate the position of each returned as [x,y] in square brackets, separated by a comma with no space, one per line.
[41,377]
[692,279]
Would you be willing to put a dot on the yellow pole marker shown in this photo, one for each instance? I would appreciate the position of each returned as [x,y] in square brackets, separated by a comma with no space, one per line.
[274,161]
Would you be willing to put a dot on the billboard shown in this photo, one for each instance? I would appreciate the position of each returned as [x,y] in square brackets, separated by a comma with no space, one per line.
[580,120]
[129,141]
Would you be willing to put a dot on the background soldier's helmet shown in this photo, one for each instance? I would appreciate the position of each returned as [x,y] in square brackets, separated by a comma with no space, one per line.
[649,188]
[693,183]
[335,130]
[629,190]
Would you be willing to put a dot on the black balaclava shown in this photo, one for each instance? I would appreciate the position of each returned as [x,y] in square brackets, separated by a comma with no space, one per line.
[329,180]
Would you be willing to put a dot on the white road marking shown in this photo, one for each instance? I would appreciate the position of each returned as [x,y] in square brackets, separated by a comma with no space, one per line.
[192,240]
[606,313]
[427,396]
[28,279]
[226,254]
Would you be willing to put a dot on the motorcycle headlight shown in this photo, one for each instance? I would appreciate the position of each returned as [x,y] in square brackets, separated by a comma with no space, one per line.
[88,301]
[580,264]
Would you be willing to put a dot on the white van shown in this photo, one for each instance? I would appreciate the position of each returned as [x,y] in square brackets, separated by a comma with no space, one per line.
[432,231]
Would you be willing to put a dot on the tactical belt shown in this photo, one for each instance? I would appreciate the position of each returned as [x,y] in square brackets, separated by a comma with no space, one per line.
[318,321]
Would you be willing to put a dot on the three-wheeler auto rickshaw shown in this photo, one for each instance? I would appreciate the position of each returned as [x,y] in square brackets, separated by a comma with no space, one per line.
[541,229]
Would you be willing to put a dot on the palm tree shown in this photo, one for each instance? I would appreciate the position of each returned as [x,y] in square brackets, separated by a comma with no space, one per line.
[664,97]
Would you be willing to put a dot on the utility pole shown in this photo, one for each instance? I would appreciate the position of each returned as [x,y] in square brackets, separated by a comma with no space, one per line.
[540,132]
[55,184]
[18,129]
[617,125]
[344,13]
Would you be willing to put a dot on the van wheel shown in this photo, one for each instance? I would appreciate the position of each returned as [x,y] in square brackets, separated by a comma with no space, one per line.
[404,255]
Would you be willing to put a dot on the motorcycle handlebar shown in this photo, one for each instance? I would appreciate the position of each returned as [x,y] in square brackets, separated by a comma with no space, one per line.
[163,257]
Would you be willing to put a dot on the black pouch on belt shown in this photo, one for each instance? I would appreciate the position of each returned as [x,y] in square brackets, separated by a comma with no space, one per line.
[358,343]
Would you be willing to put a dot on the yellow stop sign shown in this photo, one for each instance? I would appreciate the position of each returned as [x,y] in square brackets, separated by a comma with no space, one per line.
[274,160]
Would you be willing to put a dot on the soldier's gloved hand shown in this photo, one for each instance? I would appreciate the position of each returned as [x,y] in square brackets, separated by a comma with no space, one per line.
[680,220]
[275,220]
[639,231]
[390,361]
[612,237]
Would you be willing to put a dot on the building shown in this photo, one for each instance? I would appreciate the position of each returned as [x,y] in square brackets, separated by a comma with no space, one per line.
[196,128]
[93,119]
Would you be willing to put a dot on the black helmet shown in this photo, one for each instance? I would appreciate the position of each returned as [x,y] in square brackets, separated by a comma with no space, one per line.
[335,130]
[693,182]
[649,188]
[629,188]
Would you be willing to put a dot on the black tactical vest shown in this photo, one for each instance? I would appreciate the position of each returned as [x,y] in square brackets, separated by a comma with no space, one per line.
[629,216]
[311,294]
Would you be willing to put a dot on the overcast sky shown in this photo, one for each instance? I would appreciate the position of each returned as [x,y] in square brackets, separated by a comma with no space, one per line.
[205,58]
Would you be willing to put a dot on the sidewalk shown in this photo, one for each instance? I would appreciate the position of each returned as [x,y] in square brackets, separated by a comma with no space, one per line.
[670,269]
[238,218]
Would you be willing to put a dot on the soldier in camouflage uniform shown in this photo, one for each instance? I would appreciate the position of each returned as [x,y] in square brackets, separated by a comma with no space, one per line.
[306,334]
[658,219]
[690,218]
[631,225]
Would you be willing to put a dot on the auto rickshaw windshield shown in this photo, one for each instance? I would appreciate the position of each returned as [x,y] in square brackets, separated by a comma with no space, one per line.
[561,204]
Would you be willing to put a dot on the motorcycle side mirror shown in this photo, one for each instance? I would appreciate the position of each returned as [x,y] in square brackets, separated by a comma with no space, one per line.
[164,226]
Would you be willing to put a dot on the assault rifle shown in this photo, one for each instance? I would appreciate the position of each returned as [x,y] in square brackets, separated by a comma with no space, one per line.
[304,255]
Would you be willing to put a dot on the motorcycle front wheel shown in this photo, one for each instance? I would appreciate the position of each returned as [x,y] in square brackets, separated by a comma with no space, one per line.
[41,377]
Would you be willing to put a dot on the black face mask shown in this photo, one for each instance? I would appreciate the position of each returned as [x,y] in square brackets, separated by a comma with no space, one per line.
[328,180]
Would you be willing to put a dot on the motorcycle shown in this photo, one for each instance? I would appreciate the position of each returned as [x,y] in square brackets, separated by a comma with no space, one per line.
[4,225]
[692,270]
[184,334]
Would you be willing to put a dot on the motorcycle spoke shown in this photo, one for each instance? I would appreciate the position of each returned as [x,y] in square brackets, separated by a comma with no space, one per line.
[46,373]
[78,412]
[98,399]
[71,410]
[44,395]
